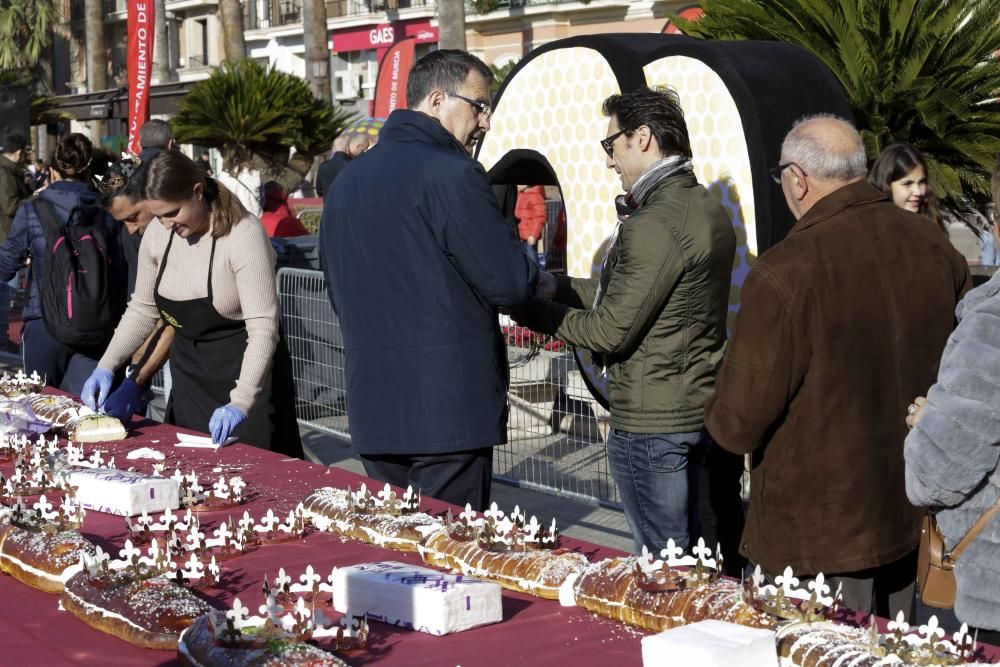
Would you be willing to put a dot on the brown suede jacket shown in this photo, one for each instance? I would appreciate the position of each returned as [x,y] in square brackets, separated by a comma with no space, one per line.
[842,324]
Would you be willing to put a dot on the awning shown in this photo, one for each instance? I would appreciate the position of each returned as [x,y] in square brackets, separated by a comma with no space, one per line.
[113,103]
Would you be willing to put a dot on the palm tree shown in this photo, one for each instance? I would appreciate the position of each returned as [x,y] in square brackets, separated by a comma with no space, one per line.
[314,41]
[162,70]
[923,72]
[233,42]
[25,31]
[451,22]
[97,57]
[255,115]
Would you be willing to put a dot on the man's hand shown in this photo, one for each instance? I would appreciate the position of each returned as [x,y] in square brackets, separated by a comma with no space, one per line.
[915,410]
[532,240]
[546,288]
[125,401]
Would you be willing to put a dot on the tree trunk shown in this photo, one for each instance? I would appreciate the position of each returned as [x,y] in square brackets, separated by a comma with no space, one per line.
[162,71]
[451,19]
[97,57]
[317,56]
[231,17]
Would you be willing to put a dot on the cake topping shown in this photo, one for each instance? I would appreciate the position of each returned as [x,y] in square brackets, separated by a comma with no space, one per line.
[787,600]
[496,531]
[385,501]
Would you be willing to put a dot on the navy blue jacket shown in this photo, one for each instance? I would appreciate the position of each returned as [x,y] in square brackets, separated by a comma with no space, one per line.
[417,258]
[26,238]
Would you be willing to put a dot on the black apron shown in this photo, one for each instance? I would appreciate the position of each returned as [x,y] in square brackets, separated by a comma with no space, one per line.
[205,361]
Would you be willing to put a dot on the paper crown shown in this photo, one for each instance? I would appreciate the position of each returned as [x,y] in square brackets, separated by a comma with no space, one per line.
[219,495]
[385,501]
[497,531]
[42,516]
[786,599]
[135,565]
[676,570]
[302,622]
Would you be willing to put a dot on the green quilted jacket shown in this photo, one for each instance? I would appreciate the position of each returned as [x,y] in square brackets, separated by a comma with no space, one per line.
[662,321]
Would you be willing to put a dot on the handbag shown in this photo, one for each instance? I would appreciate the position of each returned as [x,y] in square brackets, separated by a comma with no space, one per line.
[936,565]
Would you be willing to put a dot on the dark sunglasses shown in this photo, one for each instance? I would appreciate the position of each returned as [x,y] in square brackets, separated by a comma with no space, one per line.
[608,143]
[482,108]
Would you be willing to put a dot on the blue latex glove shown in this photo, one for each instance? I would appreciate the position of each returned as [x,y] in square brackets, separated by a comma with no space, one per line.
[224,421]
[96,388]
[125,401]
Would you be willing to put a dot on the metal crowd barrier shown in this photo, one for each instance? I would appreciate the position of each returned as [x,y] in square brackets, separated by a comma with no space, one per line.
[555,433]
[15,297]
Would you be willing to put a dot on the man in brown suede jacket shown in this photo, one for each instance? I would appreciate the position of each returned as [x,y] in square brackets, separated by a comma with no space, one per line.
[841,324]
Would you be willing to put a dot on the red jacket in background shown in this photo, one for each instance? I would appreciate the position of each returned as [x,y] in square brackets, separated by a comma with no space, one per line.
[277,218]
[530,212]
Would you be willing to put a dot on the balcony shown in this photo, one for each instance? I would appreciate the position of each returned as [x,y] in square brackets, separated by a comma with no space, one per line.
[342,8]
[264,14]
[486,6]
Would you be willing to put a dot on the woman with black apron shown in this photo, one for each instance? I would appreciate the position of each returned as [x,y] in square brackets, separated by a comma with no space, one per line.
[229,379]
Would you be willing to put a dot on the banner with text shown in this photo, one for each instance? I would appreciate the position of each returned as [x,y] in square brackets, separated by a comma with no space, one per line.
[393,71]
[140,61]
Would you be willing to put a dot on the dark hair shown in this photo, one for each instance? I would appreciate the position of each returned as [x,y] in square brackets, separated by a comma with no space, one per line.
[14,142]
[73,156]
[660,110]
[895,162]
[155,133]
[172,175]
[445,69]
[122,178]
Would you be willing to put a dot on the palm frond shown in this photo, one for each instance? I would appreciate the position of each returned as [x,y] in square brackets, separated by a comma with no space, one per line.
[920,71]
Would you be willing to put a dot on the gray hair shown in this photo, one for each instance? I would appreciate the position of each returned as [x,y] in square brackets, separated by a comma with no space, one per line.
[155,133]
[837,154]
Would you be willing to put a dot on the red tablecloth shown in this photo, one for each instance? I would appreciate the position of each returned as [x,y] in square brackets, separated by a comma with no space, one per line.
[533,632]
[537,632]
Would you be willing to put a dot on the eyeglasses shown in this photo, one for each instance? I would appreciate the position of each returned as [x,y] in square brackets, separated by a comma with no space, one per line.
[775,172]
[608,143]
[482,108]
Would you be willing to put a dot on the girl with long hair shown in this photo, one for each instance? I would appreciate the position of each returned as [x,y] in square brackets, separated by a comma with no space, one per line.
[901,172]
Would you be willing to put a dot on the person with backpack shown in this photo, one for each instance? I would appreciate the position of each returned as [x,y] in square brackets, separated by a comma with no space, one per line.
[78,274]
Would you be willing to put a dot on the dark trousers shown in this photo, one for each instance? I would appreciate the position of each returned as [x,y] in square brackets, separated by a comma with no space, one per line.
[884,590]
[720,506]
[458,478]
[62,366]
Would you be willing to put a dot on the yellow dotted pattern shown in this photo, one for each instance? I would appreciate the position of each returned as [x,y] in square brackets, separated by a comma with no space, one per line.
[553,106]
[721,157]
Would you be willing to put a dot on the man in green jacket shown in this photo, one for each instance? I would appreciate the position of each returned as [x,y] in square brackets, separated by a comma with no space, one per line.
[656,318]
[13,188]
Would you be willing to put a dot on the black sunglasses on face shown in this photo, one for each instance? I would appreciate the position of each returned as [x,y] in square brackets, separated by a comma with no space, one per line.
[608,143]
[483,109]
[775,172]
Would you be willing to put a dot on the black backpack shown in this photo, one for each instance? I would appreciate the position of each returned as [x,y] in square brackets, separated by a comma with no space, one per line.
[81,296]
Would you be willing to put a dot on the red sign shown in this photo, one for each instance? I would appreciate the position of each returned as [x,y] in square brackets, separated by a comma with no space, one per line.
[140,61]
[691,14]
[382,36]
[393,71]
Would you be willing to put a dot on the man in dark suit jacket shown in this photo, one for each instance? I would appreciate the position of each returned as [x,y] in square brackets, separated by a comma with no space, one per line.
[417,259]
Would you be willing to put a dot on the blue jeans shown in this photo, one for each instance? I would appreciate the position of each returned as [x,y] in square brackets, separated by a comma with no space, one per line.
[657,477]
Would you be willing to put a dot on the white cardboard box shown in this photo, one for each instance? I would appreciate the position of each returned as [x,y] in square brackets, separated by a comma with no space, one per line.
[711,644]
[416,597]
[123,492]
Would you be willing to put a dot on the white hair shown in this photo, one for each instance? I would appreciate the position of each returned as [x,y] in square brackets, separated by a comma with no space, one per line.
[832,157]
